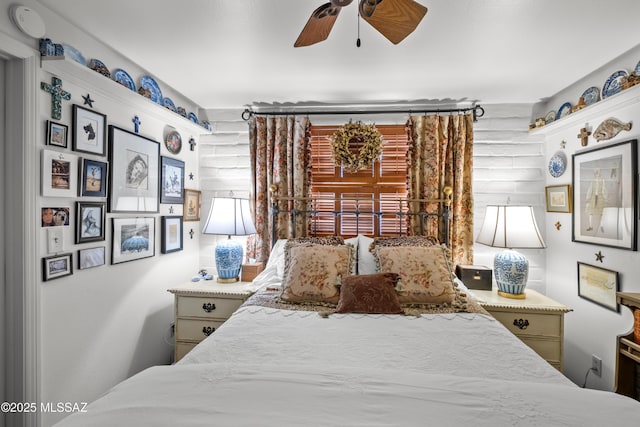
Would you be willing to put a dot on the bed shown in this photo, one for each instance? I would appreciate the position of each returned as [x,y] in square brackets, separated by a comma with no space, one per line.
[364,349]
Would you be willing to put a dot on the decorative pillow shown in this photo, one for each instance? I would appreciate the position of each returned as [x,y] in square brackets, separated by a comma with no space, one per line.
[323,240]
[405,241]
[367,263]
[370,293]
[425,273]
[314,272]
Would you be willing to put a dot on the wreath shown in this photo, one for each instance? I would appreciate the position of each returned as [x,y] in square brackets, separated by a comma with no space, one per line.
[346,140]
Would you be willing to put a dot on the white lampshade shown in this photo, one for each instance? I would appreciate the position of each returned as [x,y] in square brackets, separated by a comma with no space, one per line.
[232,217]
[229,216]
[510,227]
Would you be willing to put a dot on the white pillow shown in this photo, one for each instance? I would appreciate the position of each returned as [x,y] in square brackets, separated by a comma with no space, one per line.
[366,261]
[274,271]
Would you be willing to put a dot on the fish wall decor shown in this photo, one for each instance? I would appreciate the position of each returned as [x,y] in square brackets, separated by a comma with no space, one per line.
[610,128]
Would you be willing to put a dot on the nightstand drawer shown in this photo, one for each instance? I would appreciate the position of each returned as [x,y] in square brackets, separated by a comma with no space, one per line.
[214,308]
[195,329]
[183,348]
[523,323]
[548,349]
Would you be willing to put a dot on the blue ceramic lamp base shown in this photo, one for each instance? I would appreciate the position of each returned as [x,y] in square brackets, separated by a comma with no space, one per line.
[512,271]
[228,260]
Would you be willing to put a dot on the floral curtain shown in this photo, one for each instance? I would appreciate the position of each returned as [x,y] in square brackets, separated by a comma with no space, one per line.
[441,154]
[280,158]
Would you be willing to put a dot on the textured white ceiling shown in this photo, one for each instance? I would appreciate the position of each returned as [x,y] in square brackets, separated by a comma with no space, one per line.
[229,53]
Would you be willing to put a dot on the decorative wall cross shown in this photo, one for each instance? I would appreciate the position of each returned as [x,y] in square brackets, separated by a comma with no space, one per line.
[57,95]
[584,136]
[191,233]
[192,144]
[136,123]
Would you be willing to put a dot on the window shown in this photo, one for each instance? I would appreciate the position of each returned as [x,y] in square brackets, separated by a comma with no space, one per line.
[377,189]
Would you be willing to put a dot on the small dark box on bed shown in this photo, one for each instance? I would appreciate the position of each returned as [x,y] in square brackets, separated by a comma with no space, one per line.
[475,276]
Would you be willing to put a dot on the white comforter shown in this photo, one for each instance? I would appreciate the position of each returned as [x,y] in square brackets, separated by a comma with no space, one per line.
[269,367]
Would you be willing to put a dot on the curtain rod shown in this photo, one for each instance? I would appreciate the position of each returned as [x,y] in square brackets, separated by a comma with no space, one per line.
[477,110]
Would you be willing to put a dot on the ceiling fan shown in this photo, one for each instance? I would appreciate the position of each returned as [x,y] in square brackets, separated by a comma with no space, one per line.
[394,19]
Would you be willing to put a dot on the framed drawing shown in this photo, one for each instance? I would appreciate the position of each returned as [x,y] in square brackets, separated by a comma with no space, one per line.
[59,174]
[133,238]
[604,195]
[558,198]
[133,174]
[56,266]
[91,257]
[172,181]
[57,134]
[93,178]
[89,131]
[598,285]
[90,221]
[192,202]
[171,234]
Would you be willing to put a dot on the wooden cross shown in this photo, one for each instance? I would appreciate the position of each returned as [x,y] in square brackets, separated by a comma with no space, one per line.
[191,233]
[584,136]
[192,143]
[57,95]
[136,123]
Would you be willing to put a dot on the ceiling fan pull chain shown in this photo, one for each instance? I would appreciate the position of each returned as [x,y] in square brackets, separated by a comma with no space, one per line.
[358,40]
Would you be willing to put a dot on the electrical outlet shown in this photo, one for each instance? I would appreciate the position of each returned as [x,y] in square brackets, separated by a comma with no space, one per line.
[55,242]
[596,365]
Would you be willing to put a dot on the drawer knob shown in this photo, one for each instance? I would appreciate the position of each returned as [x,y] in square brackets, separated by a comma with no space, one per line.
[208,307]
[208,330]
[521,323]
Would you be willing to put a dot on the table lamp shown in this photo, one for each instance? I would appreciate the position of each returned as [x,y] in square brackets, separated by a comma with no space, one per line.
[232,217]
[511,227]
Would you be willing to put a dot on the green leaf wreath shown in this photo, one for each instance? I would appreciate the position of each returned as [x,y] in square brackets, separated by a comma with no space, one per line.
[356,134]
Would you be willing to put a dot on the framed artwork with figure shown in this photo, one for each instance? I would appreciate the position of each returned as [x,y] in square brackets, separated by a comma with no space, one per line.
[134,176]
[605,195]
[89,131]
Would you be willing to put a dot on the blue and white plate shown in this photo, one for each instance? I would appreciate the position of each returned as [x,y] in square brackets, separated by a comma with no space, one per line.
[557,164]
[612,85]
[550,117]
[122,77]
[74,54]
[193,118]
[564,110]
[591,95]
[168,103]
[147,82]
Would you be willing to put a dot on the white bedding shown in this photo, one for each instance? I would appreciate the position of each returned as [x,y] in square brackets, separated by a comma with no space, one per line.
[271,367]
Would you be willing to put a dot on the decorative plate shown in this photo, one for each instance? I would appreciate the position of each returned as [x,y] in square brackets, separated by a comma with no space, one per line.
[551,116]
[74,54]
[612,85]
[147,82]
[122,77]
[591,95]
[557,164]
[173,142]
[98,66]
[168,103]
[565,110]
[193,118]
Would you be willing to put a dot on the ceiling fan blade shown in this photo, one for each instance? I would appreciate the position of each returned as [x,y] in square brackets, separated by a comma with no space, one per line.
[318,26]
[394,19]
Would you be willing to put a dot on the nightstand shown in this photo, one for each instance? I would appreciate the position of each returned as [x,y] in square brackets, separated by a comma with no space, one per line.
[537,320]
[201,307]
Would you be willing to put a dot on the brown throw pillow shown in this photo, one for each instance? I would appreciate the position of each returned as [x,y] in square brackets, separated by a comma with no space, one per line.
[369,293]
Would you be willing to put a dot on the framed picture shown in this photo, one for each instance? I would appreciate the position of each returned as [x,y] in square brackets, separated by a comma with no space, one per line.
[57,266]
[133,238]
[91,257]
[133,176]
[558,198]
[57,134]
[93,178]
[90,221]
[604,195]
[89,131]
[192,202]
[172,181]
[598,285]
[59,174]
[55,216]
[171,234]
